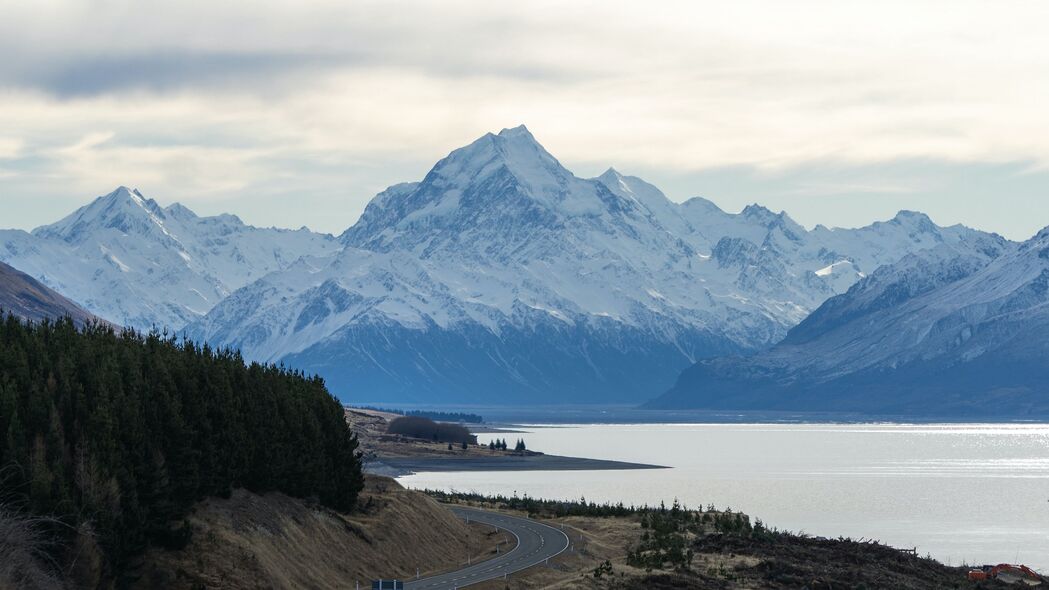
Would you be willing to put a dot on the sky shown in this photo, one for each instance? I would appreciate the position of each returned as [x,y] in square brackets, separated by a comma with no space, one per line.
[293,113]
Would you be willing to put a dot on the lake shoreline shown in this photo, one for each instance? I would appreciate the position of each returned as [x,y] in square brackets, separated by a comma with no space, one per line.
[962,493]
[511,417]
[401,466]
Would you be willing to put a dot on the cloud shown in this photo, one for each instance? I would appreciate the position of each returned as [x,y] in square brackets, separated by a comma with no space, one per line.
[238,99]
[10,147]
[171,71]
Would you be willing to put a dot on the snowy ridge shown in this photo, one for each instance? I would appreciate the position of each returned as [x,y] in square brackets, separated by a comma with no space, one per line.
[130,261]
[953,330]
[499,271]
[503,271]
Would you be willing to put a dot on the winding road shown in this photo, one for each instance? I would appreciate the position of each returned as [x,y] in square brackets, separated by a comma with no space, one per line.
[536,542]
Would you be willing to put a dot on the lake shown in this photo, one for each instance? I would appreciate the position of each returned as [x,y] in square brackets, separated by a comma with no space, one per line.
[963,493]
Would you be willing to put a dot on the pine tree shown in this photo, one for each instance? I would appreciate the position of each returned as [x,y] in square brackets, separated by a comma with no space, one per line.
[130,431]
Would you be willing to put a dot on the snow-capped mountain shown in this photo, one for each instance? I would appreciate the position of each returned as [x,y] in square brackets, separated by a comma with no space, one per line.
[502,277]
[948,331]
[132,262]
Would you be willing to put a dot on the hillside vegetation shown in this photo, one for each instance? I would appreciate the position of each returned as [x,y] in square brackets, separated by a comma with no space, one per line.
[618,547]
[116,436]
[427,429]
[252,541]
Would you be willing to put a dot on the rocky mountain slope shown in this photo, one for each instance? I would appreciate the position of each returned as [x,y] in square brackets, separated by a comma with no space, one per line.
[502,277]
[942,332]
[25,297]
[132,262]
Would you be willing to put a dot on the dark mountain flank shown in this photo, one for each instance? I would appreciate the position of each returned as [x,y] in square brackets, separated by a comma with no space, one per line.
[27,298]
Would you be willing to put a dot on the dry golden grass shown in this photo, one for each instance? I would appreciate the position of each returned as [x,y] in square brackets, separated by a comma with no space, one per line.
[273,541]
[593,541]
[599,539]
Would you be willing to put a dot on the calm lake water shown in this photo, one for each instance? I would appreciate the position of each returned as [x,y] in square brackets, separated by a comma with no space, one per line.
[972,493]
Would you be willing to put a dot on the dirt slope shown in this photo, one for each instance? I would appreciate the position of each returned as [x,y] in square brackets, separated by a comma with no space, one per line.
[273,541]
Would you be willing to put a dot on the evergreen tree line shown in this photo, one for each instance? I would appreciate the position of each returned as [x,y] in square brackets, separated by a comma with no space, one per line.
[542,508]
[425,428]
[667,533]
[123,432]
[497,444]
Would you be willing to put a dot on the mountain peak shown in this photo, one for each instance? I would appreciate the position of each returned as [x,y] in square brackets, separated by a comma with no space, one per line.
[519,132]
[911,217]
[771,220]
[639,191]
[513,151]
[703,205]
[915,220]
[180,211]
[123,209]
[504,180]
[756,211]
[612,178]
[123,193]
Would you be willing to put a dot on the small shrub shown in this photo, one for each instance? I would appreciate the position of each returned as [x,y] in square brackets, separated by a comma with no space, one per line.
[427,429]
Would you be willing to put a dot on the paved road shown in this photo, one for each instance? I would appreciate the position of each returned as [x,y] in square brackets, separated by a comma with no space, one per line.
[536,542]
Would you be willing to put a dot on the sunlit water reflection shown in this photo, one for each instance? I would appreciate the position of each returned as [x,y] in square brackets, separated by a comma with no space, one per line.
[962,493]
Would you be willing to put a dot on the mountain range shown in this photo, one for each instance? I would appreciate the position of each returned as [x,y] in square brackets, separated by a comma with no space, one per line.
[130,261]
[943,332]
[500,277]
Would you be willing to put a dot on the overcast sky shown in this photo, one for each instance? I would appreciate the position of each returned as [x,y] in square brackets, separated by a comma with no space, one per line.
[295,113]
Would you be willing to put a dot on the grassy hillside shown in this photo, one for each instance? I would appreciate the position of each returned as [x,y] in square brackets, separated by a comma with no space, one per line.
[251,541]
[115,437]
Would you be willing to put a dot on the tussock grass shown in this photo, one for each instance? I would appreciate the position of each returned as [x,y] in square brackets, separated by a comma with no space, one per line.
[27,545]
